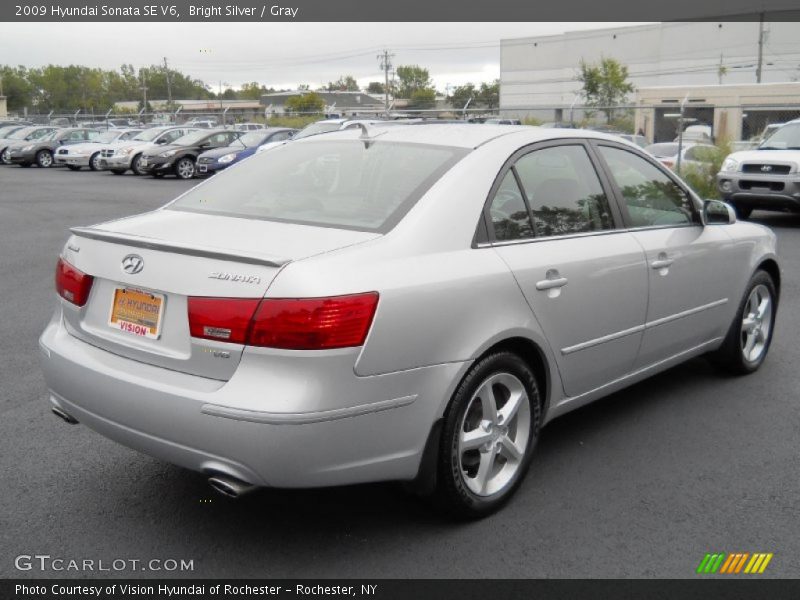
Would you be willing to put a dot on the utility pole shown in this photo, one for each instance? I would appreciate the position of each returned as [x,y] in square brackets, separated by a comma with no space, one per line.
[144,87]
[169,84]
[760,46]
[386,66]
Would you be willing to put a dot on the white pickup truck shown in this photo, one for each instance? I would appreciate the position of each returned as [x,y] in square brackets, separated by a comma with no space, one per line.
[766,178]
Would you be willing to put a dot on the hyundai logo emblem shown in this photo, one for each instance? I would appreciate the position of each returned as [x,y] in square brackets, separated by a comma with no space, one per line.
[132,264]
[766,168]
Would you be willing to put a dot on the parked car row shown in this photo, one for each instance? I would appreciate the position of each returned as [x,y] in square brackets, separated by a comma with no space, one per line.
[182,151]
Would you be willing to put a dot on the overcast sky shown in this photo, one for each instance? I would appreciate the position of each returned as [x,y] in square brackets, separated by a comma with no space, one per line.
[281,55]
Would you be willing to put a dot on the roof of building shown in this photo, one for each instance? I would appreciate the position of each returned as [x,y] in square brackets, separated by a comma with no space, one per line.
[339,98]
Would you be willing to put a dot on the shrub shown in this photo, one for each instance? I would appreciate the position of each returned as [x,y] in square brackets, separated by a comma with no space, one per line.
[703,179]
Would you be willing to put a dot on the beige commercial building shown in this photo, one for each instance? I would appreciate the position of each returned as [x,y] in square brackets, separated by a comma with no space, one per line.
[734,111]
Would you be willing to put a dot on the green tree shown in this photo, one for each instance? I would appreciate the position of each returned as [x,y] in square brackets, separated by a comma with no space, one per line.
[462,94]
[252,91]
[345,83]
[376,87]
[412,78]
[423,98]
[310,102]
[489,94]
[605,84]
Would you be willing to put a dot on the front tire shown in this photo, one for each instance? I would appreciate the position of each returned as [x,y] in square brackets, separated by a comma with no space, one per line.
[749,337]
[44,159]
[136,166]
[94,162]
[490,430]
[184,168]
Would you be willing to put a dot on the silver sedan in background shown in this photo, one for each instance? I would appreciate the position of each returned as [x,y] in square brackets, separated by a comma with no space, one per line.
[399,303]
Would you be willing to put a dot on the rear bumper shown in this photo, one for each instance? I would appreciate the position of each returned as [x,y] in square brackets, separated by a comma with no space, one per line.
[270,425]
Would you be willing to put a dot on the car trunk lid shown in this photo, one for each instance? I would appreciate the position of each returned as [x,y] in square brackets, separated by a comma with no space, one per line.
[145,269]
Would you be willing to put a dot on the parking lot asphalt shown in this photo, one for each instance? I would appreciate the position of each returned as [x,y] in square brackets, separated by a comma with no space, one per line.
[640,484]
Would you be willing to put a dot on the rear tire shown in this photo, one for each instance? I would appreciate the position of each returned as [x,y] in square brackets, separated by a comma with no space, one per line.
[5,158]
[490,431]
[749,337]
[44,159]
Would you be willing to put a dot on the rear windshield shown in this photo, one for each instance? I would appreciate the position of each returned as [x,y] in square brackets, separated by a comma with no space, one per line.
[347,184]
[662,149]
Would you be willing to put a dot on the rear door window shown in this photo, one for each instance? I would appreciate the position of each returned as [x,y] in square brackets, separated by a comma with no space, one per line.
[563,191]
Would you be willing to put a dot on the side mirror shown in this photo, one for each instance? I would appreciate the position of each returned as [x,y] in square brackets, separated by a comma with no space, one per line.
[716,212]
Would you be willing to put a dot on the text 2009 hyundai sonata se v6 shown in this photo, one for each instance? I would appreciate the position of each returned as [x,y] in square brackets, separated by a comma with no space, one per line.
[404,303]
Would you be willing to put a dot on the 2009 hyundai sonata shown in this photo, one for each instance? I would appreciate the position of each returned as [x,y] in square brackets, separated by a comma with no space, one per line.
[403,303]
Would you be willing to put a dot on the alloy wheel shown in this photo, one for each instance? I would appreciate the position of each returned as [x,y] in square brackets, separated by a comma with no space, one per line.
[493,436]
[756,323]
[45,159]
[185,168]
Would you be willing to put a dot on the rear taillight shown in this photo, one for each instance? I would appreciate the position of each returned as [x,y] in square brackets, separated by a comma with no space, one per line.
[72,284]
[314,323]
[223,319]
[288,323]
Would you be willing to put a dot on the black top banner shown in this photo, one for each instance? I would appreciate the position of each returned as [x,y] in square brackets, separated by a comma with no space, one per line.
[401,11]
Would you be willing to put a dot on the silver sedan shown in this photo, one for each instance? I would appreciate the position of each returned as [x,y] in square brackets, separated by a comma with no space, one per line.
[399,303]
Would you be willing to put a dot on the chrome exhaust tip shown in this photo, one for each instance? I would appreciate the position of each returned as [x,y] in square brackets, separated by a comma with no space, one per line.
[229,487]
[64,416]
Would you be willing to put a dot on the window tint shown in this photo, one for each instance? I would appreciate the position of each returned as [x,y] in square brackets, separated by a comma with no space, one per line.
[510,217]
[651,196]
[563,191]
[345,183]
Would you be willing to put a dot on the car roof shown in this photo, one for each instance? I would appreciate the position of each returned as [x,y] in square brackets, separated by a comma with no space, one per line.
[467,135]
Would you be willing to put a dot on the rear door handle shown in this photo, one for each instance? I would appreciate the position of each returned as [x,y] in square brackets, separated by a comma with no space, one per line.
[662,261]
[549,284]
[552,281]
[661,264]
